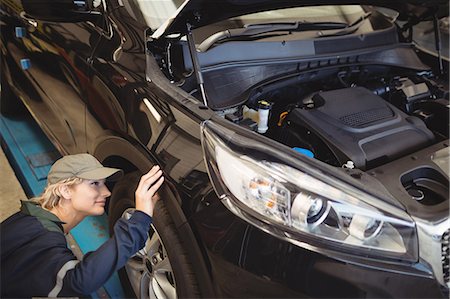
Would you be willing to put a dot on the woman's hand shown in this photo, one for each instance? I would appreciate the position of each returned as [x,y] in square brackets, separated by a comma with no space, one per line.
[146,189]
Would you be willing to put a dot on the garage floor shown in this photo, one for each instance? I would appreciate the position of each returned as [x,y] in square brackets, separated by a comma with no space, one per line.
[11,191]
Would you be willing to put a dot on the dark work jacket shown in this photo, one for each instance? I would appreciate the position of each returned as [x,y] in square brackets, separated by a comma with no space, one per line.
[36,261]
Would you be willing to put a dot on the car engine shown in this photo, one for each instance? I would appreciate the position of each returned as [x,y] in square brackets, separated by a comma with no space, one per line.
[360,121]
[357,125]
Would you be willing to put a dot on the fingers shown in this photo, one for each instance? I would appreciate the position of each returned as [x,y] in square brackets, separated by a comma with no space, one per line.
[149,178]
[152,171]
[149,174]
[145,192]
[156,185]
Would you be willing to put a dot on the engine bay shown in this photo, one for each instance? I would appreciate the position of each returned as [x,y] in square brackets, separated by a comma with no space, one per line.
[349,118]
[356,100]
[371,111]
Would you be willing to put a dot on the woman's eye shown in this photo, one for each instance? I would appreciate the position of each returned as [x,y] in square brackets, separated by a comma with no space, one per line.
[95,183]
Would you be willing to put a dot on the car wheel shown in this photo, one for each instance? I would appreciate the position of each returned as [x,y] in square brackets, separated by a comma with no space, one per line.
[162,268]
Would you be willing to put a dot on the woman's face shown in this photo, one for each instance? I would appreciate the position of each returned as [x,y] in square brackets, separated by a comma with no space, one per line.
[89,197]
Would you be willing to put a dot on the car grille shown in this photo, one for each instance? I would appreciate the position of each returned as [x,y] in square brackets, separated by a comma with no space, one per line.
[445,251]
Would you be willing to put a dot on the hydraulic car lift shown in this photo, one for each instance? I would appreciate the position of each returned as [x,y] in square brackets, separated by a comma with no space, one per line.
[31,155]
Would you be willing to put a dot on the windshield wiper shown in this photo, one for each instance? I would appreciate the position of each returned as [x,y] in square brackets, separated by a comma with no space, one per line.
[256,29]
[347,30]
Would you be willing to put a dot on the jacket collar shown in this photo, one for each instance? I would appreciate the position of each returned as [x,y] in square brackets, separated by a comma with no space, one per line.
[34,209]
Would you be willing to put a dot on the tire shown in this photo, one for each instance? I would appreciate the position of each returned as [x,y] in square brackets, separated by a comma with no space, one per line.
[161,269]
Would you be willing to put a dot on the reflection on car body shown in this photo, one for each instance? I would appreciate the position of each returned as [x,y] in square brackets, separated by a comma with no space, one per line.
[305,145]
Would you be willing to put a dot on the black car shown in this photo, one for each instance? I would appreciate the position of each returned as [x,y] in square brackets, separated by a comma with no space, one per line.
[304,143]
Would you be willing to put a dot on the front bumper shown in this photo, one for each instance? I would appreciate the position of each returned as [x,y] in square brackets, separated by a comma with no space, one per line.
[248,262]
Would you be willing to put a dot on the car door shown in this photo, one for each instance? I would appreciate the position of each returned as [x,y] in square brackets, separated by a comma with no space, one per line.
[119,99]
[52,61]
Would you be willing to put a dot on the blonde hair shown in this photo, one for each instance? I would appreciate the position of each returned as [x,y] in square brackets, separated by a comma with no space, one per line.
[49,199]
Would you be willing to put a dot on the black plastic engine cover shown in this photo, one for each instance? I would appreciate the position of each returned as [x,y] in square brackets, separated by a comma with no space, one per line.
[360,126]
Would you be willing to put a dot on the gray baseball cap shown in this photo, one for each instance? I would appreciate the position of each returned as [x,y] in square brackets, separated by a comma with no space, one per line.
[83,166]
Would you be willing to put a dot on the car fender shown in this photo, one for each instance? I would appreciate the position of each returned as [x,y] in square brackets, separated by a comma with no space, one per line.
[114,147]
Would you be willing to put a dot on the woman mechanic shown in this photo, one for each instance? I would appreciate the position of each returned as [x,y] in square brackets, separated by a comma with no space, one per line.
[35,258]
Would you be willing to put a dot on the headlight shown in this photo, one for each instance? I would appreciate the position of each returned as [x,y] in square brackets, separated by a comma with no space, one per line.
[302,205]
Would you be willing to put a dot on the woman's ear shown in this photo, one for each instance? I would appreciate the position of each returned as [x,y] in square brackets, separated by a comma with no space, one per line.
[65,191]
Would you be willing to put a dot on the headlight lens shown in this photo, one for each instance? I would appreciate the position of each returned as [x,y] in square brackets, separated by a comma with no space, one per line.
[301,206]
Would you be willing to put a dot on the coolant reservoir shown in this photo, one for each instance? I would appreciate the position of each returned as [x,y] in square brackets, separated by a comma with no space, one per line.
[250,113]
[263,116]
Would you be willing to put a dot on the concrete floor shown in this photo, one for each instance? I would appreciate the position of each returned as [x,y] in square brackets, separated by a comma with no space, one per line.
[11,191]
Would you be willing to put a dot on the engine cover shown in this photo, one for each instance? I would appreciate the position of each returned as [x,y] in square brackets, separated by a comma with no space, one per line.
[360,126]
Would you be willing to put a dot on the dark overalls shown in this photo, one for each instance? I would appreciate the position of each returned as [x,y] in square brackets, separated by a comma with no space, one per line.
[36,262]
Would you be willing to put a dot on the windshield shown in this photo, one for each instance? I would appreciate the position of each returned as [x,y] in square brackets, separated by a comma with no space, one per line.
[424,37]
[337,14]
[155,13]
[346,14]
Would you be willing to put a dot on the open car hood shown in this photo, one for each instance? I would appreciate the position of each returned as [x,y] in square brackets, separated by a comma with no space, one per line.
[199,13]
